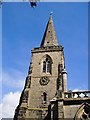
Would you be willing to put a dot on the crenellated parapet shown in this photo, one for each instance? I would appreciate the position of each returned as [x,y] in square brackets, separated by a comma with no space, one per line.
[47,49]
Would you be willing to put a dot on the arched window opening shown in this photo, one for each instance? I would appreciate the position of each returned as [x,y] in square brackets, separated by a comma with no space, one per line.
[44,97]
[48,67]
[83,112]
[47,64]
[44,66]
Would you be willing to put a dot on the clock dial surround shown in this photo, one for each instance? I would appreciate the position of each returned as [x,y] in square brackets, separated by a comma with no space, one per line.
[44,80]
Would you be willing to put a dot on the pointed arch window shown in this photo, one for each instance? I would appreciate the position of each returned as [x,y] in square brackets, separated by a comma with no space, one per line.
[47,65]
[83,113]
[44,66]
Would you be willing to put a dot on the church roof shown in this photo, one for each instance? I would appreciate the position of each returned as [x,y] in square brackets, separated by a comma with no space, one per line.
[49,38]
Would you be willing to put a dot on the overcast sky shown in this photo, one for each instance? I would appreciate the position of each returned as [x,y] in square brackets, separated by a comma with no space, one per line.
[23,29]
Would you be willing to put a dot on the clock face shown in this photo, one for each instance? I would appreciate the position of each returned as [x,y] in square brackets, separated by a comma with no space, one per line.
[44,80]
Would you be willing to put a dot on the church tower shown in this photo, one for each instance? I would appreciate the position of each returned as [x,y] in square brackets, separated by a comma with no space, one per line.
[45,95]
[47,77]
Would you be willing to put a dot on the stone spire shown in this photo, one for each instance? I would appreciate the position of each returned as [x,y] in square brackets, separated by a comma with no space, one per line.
[49,38]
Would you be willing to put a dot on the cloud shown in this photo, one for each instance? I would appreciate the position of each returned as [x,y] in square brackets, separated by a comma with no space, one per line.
[13,79]
[9,104]
[77,90]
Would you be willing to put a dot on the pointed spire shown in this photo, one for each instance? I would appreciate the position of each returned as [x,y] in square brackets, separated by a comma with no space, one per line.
[49,38]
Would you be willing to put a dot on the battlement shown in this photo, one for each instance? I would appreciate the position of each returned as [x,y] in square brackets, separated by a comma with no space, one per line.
[48,48]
